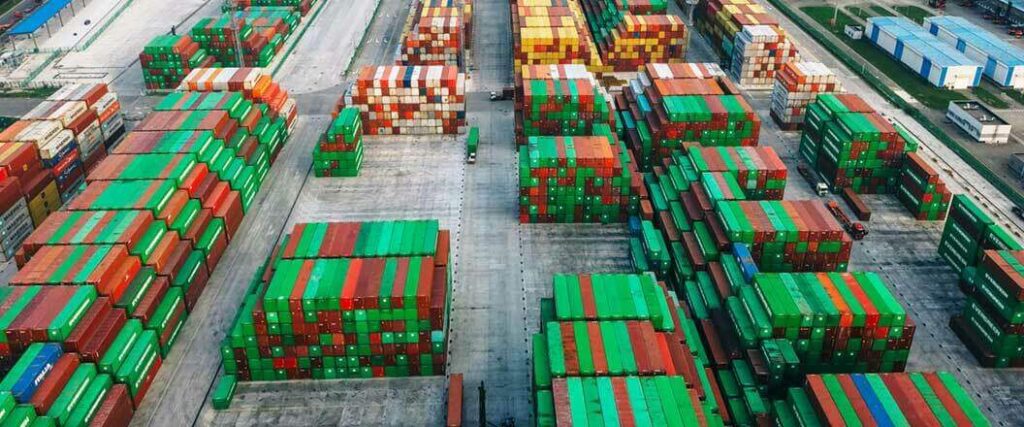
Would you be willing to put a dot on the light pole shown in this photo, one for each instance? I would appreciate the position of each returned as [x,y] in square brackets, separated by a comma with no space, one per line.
[237,26]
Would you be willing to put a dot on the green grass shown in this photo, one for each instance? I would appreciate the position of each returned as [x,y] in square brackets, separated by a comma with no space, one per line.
[990,98]
[1015,94]
[881,11]
[909,81]
[38,92]
[6,5]
[915,13]
[859,12]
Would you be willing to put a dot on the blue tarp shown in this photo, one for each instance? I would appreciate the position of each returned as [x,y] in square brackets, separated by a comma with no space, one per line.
[38,18]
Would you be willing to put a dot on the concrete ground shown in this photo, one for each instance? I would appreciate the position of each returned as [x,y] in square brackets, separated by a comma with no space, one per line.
[75,30]
[317,64]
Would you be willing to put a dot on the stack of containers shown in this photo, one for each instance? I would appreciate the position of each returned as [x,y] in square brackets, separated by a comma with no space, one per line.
[630,35]
[58,148]
[836,322]
[302,6]
[991,324]
[1004,62]
[435,36]
[798,84]
[340,151]
[551,32]
[397,100]
[787,235]
[759,51]
[617,346]
[721,20]
[20,162]
[377,306]
[167,59]
[260,32]
[15,220]
[467,24]
[559,100]
[50,142]
[104,120]
[922,52]
[758,170]
[114,275]
[851,145]
[917,399]
[576,179]
[94,362]
[922,191]
[968,232]
[669,104]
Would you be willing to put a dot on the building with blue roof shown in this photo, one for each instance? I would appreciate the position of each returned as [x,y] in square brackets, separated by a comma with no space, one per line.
[931,58]
[1003,62]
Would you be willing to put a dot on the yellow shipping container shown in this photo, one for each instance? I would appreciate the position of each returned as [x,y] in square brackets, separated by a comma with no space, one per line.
[45,203]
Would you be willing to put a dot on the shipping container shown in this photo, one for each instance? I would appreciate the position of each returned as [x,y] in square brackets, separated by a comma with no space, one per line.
[663,109]
[630,35]
[559,100]
[397,100]
[340,150]
[851,145]
[797,84]
[576,179]
[433,34]
[376,306]
[169,58]
[968,232]
[550,32]
[915,398]
[758,52]
[922,190]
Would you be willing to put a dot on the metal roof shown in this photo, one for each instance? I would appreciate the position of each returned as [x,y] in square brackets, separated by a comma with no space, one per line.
[38,18]
[973,35]
[916,37]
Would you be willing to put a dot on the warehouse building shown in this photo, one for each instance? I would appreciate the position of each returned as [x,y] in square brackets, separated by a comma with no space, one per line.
[979,122]
[1003,62]
[924,53]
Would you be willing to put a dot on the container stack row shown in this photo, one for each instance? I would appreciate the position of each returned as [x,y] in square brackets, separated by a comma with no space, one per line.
[301,6]
[669,104]
[722,20]
[836,322]
[399,100]
[758,171]
[109,280]
[918,398]
[45,154]
[760,51]
[631,35]
[340,150]
[991,323]
[435,34]
[852,145]
[259,32]
[616,346]
[968,233]
[787,235]
[577,179]
[63,382]
[1004,62]
[922,191]
[559,100]
[797,84]
[169,58]
[346,300]
[928,56]
[551,32]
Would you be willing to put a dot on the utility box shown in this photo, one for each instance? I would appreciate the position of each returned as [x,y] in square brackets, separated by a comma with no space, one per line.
[979,122]
[855,32]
